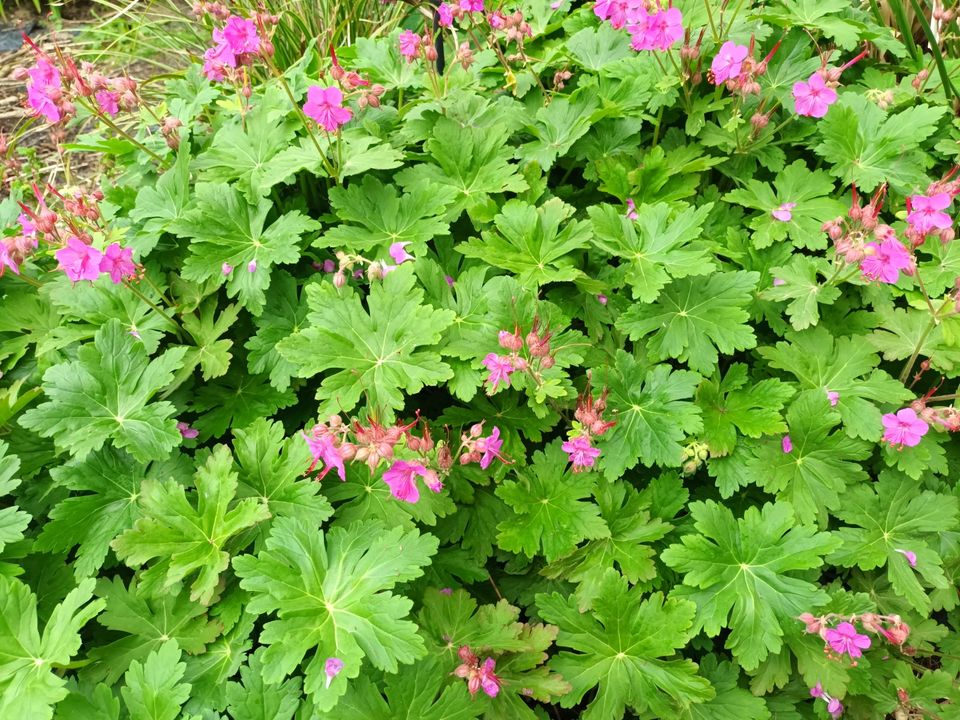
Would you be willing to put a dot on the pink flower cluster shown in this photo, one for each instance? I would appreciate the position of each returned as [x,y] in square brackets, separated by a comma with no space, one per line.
[15,249]
[651,26]
[413,46]
[589,424]
[735,67]
[81,261]
[236,44]
[478,676]
[483,450]
[842,638]
[538,356]
[51,91]
[881,258]
[926,214]
[834,707]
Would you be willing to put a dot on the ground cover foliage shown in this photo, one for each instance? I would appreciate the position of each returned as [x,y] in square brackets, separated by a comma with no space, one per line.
[526,362]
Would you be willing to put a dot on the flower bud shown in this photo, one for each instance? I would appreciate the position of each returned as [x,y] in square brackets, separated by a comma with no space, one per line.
[547,362]
[759,121]
[430,53]
[445,458]
[339,279]
[510,340]
[375,271]
[476,430]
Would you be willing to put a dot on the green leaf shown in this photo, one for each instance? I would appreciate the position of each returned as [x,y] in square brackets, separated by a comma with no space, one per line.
[597,47]
[894,514]
[816,473]
[105,395]
[153,689]
[375,215]
[97,703]
[557,126]
[272,468]
[237,400]
[867,147]
[551,515]
[810,192]
[374,349]
[474,162]
[30,683]
[844,365]
[802,287]
[244,151]
[147,624]
[283,315]
[731,701]
[626,546]
[736,570]
[161,204]
[224,228]
[184,539]
[899,332]
[618,650]
[654,413]
[209,351]
[532,242]
[105,488]
[660,245]
[729,408]
[694,319]
[252,699]
[331,596]
[13,520]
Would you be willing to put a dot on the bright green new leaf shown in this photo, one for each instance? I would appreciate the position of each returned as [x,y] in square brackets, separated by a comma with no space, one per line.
[105,395]
[844,365]
[30,680]
[730,407]
[896,515]
[330,593]
[224,229]
[867,147]
[209,351]
[160,205]
[659,245]
[183,539]
[816,473]
[808,198]
[147,624]
[153,689]
[105,489]
[653,411]
[252,699]
[737,571]
[550,513]
[618,650]
[532,242]
[13,520]
[272,467]
[374,216]
[694,319]
[372,347]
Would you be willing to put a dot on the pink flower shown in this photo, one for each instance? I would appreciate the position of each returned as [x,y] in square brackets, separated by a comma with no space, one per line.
[187,432]
[240,35]
[401,477]
[884,261]
[323,450]
[612,10]
[834,708]
[325,106]
[926,213]
[448,279]
[783,213]
[813,98]
[477,676]
[445,15]
[786,444]
[488,678]
[903,428]
[78,260]
[658,31]
[226,268]
[409,44]
[108,102]
[398,252]
[581,453]
[602,299]
[471,5]
[832,396]
[816,691]
[491,448]
[118,261]
[500,368]
[7,260]
[844,639]
[332,668]
[909,555]
[727,63]
[43,89]
[252,266]
[27,228]
[216,59]
[631,209]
